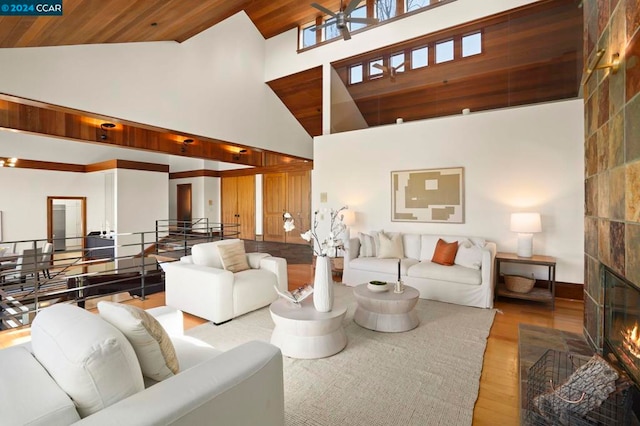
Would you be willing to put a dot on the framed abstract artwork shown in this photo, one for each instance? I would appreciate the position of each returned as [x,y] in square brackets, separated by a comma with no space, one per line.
[429,195]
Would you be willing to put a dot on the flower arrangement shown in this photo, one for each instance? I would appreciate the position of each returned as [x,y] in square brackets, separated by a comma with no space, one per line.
[332,242]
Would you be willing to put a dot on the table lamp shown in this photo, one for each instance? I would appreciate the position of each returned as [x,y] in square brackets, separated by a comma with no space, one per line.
[525,224]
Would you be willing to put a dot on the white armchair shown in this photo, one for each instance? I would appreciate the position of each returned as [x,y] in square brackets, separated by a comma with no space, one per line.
[198,284]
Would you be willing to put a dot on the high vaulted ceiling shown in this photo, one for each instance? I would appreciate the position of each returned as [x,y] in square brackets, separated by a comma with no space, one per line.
[530,54]
[121,21]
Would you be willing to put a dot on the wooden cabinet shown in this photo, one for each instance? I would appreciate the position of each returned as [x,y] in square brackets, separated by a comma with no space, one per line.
[238,204]
[286,192]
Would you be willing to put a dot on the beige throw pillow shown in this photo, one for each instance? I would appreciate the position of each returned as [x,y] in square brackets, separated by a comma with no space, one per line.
[233,257]
[152,345]
[390,246]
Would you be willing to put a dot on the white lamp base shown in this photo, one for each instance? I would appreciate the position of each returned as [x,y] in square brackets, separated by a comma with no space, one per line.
[525,245]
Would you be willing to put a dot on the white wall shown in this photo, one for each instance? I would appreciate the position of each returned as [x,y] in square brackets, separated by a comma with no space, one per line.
[259,205]
[23,199]
[142,197]
[517,159]
[212,192]
[203,189]
[204,86]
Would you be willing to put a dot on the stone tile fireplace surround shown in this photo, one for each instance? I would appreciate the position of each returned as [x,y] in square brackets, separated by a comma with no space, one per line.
[612,162]
[612,155]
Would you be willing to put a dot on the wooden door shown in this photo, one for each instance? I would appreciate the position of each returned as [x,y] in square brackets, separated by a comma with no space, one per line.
[274,186]
[83,218]
[229,204]
[184,205]
[299,203]
[246,197]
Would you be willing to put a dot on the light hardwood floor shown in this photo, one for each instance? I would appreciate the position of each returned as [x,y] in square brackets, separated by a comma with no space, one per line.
[497,402]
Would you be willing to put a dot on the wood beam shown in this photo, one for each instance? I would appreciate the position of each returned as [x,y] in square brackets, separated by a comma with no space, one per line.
[35,117]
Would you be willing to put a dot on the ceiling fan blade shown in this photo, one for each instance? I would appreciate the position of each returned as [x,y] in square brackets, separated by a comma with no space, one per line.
[351,7]
[368,21]
[323,9]
[345,33]
[396,68]
[380,67]
[319,27]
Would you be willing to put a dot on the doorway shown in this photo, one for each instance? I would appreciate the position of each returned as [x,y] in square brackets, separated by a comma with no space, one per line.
[184,205]
[66,222]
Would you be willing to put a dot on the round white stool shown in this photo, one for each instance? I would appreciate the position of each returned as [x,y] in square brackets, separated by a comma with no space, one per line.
[302,332]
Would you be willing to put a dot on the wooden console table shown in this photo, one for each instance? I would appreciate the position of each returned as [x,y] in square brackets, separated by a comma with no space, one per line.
[537,294]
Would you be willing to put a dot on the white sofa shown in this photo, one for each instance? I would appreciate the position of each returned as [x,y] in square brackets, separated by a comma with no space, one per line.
[198,284]
[75,352]
[462,285]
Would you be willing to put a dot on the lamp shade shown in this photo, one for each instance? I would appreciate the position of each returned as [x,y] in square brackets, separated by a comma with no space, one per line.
[348,217]
[526,223]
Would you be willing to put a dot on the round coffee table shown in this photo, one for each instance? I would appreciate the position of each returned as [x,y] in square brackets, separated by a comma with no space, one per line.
[386,311]
[302,332]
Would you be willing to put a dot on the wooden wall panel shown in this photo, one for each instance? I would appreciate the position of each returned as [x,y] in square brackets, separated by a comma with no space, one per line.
[51,120]
[302,95]
[531,54]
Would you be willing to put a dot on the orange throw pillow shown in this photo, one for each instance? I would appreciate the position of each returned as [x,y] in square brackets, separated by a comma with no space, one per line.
[445,253]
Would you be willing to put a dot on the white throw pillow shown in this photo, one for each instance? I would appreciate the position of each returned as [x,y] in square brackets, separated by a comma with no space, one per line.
[390,246]
[150,341]
[469,255]
[411,245]
[367,245]
[91,360]
[233,257]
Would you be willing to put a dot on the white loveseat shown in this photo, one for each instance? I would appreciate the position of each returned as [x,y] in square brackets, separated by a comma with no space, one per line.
[470,285]
[79,365]
[199,284]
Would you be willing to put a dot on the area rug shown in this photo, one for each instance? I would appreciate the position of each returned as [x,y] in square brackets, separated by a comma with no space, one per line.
[426,376]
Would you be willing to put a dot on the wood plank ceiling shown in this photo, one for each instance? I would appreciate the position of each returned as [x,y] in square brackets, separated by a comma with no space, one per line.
[302,94]
[122,21]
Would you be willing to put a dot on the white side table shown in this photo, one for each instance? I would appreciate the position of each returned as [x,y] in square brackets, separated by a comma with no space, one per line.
[302,332]
[386,311]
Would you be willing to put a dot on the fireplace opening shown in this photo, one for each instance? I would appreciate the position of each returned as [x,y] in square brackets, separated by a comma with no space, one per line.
[622,329]
[622,322]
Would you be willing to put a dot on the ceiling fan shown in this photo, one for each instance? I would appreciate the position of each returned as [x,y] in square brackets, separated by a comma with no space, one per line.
[342,18]
[392,71]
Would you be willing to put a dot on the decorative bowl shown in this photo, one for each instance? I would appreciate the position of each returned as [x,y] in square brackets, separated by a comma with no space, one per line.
[378,286]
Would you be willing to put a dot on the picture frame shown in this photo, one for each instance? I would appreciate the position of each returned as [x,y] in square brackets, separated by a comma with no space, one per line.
[428,195]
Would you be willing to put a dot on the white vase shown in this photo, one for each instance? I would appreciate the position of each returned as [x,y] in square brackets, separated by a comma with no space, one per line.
[323,285]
